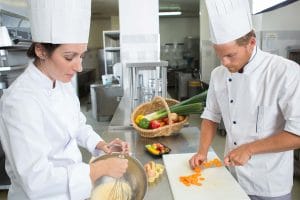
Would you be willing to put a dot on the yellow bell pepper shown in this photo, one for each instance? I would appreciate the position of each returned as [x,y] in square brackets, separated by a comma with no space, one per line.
[138,118]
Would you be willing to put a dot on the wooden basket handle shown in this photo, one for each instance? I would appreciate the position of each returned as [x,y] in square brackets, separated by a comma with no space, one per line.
[161,99]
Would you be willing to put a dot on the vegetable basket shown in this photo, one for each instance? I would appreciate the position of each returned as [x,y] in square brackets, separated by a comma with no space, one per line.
[149,107]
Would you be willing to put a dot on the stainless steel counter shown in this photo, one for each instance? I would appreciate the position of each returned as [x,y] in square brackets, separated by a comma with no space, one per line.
[121,117]
[184,142]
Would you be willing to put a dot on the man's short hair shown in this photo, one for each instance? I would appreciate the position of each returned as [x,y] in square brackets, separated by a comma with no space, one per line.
[244,40]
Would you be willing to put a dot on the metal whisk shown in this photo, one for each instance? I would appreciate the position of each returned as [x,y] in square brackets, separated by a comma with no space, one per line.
[121,189]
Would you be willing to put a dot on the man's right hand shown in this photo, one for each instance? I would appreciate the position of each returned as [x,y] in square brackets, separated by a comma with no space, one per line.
[197,160]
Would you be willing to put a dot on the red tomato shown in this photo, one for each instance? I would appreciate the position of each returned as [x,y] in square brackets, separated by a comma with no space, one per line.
[166,120]
[154,124]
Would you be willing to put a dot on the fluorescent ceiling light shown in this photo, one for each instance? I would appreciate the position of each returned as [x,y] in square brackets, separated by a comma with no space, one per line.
[169,13]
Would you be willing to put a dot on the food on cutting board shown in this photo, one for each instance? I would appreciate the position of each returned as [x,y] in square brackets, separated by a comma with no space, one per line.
[193,179]
[196,178]
[111,191]
[153,171]
[193,105]
[157,149]
[212,163]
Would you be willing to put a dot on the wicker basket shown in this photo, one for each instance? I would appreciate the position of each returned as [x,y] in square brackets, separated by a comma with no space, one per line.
[149,107]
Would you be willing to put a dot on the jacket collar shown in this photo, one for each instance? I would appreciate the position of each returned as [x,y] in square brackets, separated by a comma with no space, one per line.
[253,61]
[41,79]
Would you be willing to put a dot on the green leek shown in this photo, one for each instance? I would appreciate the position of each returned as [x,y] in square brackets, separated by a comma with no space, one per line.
[193,105]
[194,108]
[199,98]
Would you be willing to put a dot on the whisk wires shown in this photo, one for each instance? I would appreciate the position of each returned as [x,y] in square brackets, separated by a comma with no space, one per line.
[120,190]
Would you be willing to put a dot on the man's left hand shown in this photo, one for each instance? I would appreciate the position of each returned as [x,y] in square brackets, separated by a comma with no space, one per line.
[239,156]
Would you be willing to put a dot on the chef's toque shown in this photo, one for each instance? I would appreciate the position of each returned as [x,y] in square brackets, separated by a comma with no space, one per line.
[228,19]
[60,21]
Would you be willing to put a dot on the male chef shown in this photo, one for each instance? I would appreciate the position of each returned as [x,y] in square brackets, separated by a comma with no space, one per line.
[257,95]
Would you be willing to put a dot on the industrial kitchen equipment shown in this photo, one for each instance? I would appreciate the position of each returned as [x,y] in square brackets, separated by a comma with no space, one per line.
[15,39]
[105,99]
[147,79]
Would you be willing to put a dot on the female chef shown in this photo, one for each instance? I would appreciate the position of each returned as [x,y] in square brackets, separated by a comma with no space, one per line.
[41,124]
[257,96]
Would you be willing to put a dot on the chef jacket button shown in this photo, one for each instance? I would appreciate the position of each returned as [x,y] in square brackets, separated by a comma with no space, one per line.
[229,79]
[231,101]
[235,143]
[234,122]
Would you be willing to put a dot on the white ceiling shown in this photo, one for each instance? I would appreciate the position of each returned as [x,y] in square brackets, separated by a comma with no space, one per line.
[107,8]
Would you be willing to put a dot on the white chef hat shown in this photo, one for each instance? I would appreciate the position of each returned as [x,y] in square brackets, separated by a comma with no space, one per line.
[60,21]
[228,19]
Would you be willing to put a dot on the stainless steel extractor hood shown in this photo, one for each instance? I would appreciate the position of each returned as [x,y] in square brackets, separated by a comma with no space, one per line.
[259,6]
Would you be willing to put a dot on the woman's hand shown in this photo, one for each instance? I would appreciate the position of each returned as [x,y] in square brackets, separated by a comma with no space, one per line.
[113,167]
[118,145]
[115,145]
[103,146]
[197,159]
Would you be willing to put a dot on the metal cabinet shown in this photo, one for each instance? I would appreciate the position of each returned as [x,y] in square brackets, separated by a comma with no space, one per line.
[105,99]
[111,44]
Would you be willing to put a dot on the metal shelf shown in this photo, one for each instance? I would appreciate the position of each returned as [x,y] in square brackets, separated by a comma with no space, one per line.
[111,46]
[112,49]
[12,68]
[115,35]
[16,47]
[148,64]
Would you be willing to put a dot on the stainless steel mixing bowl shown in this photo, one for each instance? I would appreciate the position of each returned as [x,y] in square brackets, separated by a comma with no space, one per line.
[135,176]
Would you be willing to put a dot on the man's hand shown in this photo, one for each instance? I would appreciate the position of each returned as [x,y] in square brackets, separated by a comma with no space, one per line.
[197,160]
[238,156]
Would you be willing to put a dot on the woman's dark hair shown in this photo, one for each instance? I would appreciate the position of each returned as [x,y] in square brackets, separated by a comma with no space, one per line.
[49,48]
[246,38]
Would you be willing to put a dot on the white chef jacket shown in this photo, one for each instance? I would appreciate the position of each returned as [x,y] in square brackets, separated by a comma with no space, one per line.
[255,104]
[40,128]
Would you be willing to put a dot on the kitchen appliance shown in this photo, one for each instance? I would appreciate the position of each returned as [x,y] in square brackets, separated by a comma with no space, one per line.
[105,99]
[218,183]
[147,79]
[15,39]
[2,87]
[181,84]
[293,53]
[5,39]
[111,51]
[12,48]
[135,176]
[13,61]
[191,52]
[118,73]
